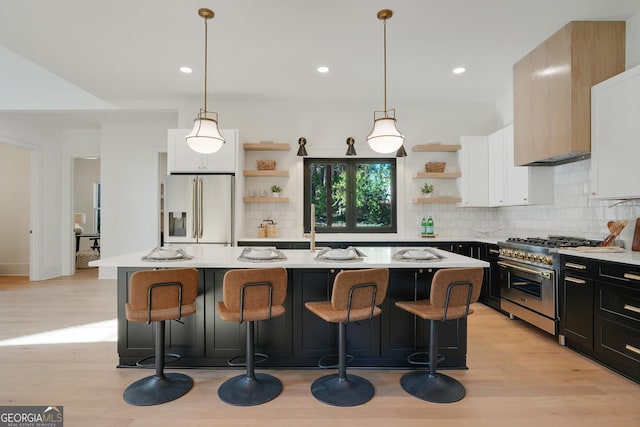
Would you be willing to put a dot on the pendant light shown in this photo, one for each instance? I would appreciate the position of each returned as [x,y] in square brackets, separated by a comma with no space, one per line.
[385,136]
[205,137]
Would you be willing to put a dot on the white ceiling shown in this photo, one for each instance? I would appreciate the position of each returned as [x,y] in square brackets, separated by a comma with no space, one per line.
[85,54]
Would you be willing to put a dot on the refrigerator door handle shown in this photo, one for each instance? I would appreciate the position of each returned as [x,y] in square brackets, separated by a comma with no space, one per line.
[194,206]
[200,208]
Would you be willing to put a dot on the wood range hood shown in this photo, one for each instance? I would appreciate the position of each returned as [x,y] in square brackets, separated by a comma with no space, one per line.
[552,91]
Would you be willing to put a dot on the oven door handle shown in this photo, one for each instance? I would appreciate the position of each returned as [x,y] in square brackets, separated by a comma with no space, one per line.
[544,274]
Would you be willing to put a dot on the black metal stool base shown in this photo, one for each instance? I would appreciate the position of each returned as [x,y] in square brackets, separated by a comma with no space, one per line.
[245,391]
[438,388]
[353,391]
[154,390]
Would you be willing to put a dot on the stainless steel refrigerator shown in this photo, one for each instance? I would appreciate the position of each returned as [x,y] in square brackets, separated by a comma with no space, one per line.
[199,209]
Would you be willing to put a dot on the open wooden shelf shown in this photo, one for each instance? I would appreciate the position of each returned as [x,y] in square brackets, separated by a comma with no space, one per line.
[265,199]
[435,147]
[253,172]
[438,175]
[437,200]
[269,146]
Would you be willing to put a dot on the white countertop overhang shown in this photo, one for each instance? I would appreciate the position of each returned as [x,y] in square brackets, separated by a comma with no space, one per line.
[208,256]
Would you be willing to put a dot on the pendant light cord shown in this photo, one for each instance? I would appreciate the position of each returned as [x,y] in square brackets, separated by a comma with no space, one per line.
[385,68]
[205,64]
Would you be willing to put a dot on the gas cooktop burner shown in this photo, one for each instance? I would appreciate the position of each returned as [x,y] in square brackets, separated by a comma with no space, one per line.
[553,241]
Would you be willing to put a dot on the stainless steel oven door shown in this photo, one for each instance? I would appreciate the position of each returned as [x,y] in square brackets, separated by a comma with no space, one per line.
[529,286]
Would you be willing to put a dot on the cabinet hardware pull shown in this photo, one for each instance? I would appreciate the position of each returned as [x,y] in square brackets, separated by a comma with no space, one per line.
[631,276]
[632,308]
[574,280]
[494,251]
[576,266]
[544,274]
[632,348]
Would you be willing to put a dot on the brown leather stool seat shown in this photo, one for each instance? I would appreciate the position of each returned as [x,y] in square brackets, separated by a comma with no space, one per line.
[156,296]
[452,291]
[356,295]
[250,295]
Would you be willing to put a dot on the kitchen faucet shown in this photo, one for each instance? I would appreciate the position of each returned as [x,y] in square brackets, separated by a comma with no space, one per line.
[312,233]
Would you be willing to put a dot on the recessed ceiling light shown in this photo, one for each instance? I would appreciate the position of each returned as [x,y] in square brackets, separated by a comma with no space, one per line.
[323,69]
[459,70]
[186,70]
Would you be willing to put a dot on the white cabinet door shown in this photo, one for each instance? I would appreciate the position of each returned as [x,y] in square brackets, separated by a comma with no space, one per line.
[516,180]
[474,165]
[495,145]
[511,185]
[615,136]
[182,159]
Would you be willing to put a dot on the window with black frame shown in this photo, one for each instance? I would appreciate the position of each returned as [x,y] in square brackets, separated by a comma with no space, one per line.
[350,195]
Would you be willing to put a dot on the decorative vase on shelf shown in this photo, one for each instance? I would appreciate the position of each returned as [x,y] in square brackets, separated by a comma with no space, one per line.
[274,194]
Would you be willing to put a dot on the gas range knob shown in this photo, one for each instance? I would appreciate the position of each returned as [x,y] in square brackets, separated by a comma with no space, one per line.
[547,260]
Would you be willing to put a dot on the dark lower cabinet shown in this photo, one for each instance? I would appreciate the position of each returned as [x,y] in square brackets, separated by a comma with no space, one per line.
[299,338]
[136,339]
[600,311]
[575,298]
[617,323]
[490,295]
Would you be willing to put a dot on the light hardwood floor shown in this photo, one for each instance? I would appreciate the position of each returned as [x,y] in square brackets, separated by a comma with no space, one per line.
[517,376]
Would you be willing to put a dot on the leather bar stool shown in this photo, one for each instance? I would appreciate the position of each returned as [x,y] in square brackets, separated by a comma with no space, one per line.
[250,295]
[156,296]
[452,291]
[356,296]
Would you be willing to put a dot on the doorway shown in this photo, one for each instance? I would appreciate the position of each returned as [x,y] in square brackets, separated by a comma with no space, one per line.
[86,208]
[15,210]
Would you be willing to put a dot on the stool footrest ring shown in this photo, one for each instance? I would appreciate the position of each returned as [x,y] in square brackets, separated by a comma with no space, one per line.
[169,358]
[414,358]
[330,361]
[241,359]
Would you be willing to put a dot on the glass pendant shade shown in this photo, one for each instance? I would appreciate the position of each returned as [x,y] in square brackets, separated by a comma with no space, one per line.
[205,137]
[385,136]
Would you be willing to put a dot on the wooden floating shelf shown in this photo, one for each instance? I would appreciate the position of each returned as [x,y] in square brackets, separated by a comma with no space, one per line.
[271,146]
[438,175]
[265,173]
[265,199]
[437,200]
[435,147]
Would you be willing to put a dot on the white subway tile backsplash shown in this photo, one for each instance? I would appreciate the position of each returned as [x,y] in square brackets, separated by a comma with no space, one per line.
[573,213]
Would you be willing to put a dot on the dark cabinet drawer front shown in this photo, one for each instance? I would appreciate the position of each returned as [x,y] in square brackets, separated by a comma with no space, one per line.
[577,266]
[619,346]
[620,302]
[628,275]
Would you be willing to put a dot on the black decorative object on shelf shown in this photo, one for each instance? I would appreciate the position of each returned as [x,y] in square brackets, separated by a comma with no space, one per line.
[351,151]
[302,151]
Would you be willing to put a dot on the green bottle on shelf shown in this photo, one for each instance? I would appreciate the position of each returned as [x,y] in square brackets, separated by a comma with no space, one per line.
[424,227]
[430,229]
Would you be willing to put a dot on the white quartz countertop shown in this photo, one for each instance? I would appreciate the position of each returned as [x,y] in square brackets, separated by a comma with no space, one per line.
[375,237]
[209,256]
[626,257]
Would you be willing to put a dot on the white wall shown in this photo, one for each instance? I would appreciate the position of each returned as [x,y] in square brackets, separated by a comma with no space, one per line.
[15,177]
[130,191]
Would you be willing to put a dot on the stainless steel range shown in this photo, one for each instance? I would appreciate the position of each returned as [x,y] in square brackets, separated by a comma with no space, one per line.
[529,278]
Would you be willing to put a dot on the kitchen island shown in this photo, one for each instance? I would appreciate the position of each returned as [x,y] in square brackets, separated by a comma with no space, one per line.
[298,338]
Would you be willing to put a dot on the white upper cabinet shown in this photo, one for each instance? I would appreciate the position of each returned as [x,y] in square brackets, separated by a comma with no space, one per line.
[615,136]
[182,159]
[497,169]
[488,166]
[474,162]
